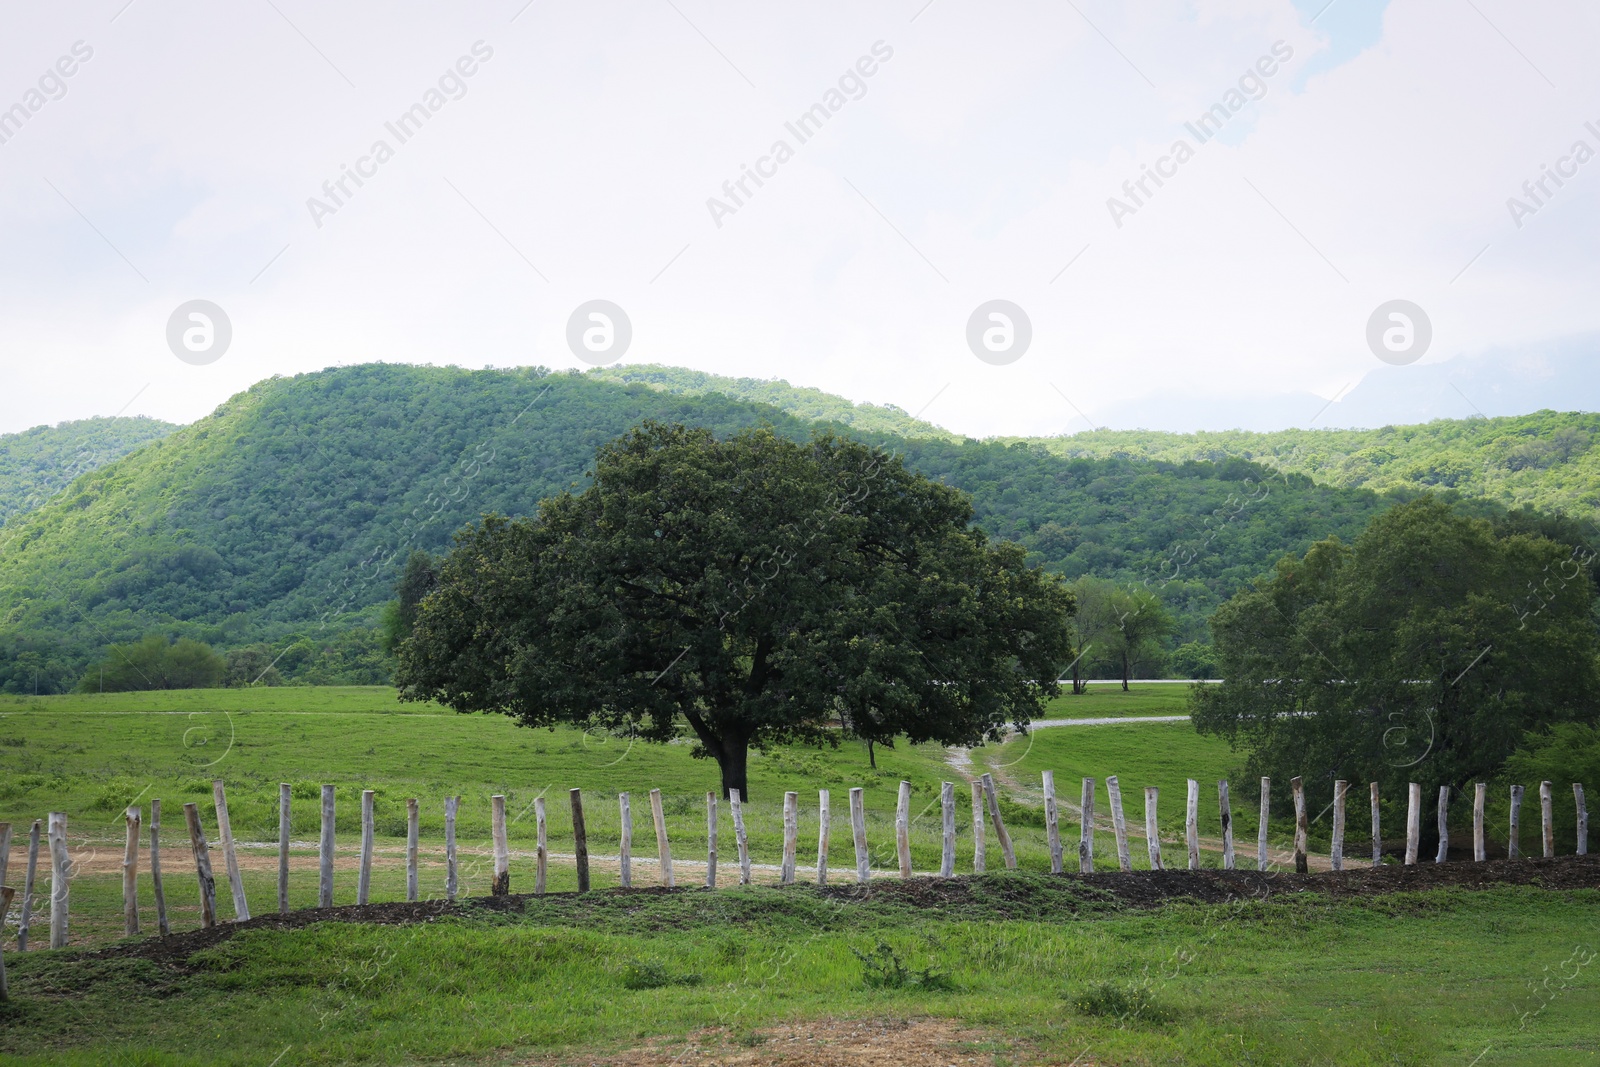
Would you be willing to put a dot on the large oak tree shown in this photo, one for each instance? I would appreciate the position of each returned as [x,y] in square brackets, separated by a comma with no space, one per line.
[759,589]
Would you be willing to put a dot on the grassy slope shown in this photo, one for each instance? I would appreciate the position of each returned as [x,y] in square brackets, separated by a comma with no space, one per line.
[1302,981]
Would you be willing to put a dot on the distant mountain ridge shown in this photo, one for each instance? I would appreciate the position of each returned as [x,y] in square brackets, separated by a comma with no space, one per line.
[36,464]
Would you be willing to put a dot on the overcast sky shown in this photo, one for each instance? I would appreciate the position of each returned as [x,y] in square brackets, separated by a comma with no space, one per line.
[578,161]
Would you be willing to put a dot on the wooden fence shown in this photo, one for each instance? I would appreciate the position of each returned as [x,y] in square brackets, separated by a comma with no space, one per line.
[986,816]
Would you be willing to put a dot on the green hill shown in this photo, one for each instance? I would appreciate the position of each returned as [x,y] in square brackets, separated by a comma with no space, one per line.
[38,463]
[1546,460]
[285,516]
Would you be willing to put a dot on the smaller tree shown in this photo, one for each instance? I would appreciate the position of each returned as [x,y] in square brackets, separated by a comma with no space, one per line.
[1144,621]
[155,663]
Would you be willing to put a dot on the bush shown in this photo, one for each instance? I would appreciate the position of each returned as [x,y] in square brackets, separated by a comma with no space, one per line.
[882,968]
[1115,1000]
[153,663]
[652,974]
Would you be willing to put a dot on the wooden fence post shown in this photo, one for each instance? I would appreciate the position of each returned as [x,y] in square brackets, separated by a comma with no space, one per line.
[130,872]
[858,826]
[1444,825]
[501,886]
[1052,830]
[325,850]
[580,837]
[1413,822]
[541,870]
[1227,825]
[1191,824]
[902,829]
[230,857]
[451,868]
[1514,846]
[947,814]
[1577,799]
[625,849]
[980,843]
[364,878]
[5,851]
[791,836]
[155,868]
[1336,854]
[202,866]
[1152,832]
[1000,834]
[1086,828]
[663,849]
[1261,831]
[824,818]
[1377,836]
[413,840]
[6,893]
[27,887]
[739,837]
[1480,846]
[711,839]
[60,878]
[1547,819]
[1301,829]
[1118,823]
[285,795]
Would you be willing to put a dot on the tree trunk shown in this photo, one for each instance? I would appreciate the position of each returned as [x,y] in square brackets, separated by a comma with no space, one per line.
[730,749]
[872,757]
[1127,671]
[1077,676]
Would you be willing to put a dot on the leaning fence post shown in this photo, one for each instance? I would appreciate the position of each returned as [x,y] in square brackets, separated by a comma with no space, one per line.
[6,893]
[823,817]
[5,851]
[1413,822]
[711,839]
[413,839]
[230,857]
[1514,846]
[1191,824]
[130,872]
[364,879]
[1444,825]
[1227,825]
[739,837]
[625,840]
[284,797]
[202,866]
[947,813]
[60,878]
[325,850]
[858,826]
[580,837]
[1547,819]
[27,887]
[1301,829]
[1336,853]
[902,829]
[791,836]
[1152,833]
[1118,823]
[1480,847]
[1052,830]
[1261,831]
[541,848]
[1000,834]
[663,849]
[1086,828]
[1583,819]
[1377,837]
[980,844]
[451,869]
[501,886]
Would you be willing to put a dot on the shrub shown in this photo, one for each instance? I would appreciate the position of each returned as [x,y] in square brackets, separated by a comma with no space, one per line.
[882,968]
[1116,1000]
[653,974]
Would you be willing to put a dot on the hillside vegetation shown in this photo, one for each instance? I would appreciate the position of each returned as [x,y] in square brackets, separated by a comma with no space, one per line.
[38,463]
[286,515]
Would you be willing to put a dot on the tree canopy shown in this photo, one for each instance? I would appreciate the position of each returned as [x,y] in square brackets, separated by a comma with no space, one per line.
[762,590]
[1424,651]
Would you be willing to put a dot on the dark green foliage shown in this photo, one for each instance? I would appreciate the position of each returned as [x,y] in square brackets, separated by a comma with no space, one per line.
[400,615]
[1411,655]
[1561,755]
[653,974]
[881,968]
[251,665]
[155,663]
[38,463]
[763,590]
[1119,1000]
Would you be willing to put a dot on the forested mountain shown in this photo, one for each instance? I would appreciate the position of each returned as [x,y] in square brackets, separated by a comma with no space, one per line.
[285,517]
[38,463]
